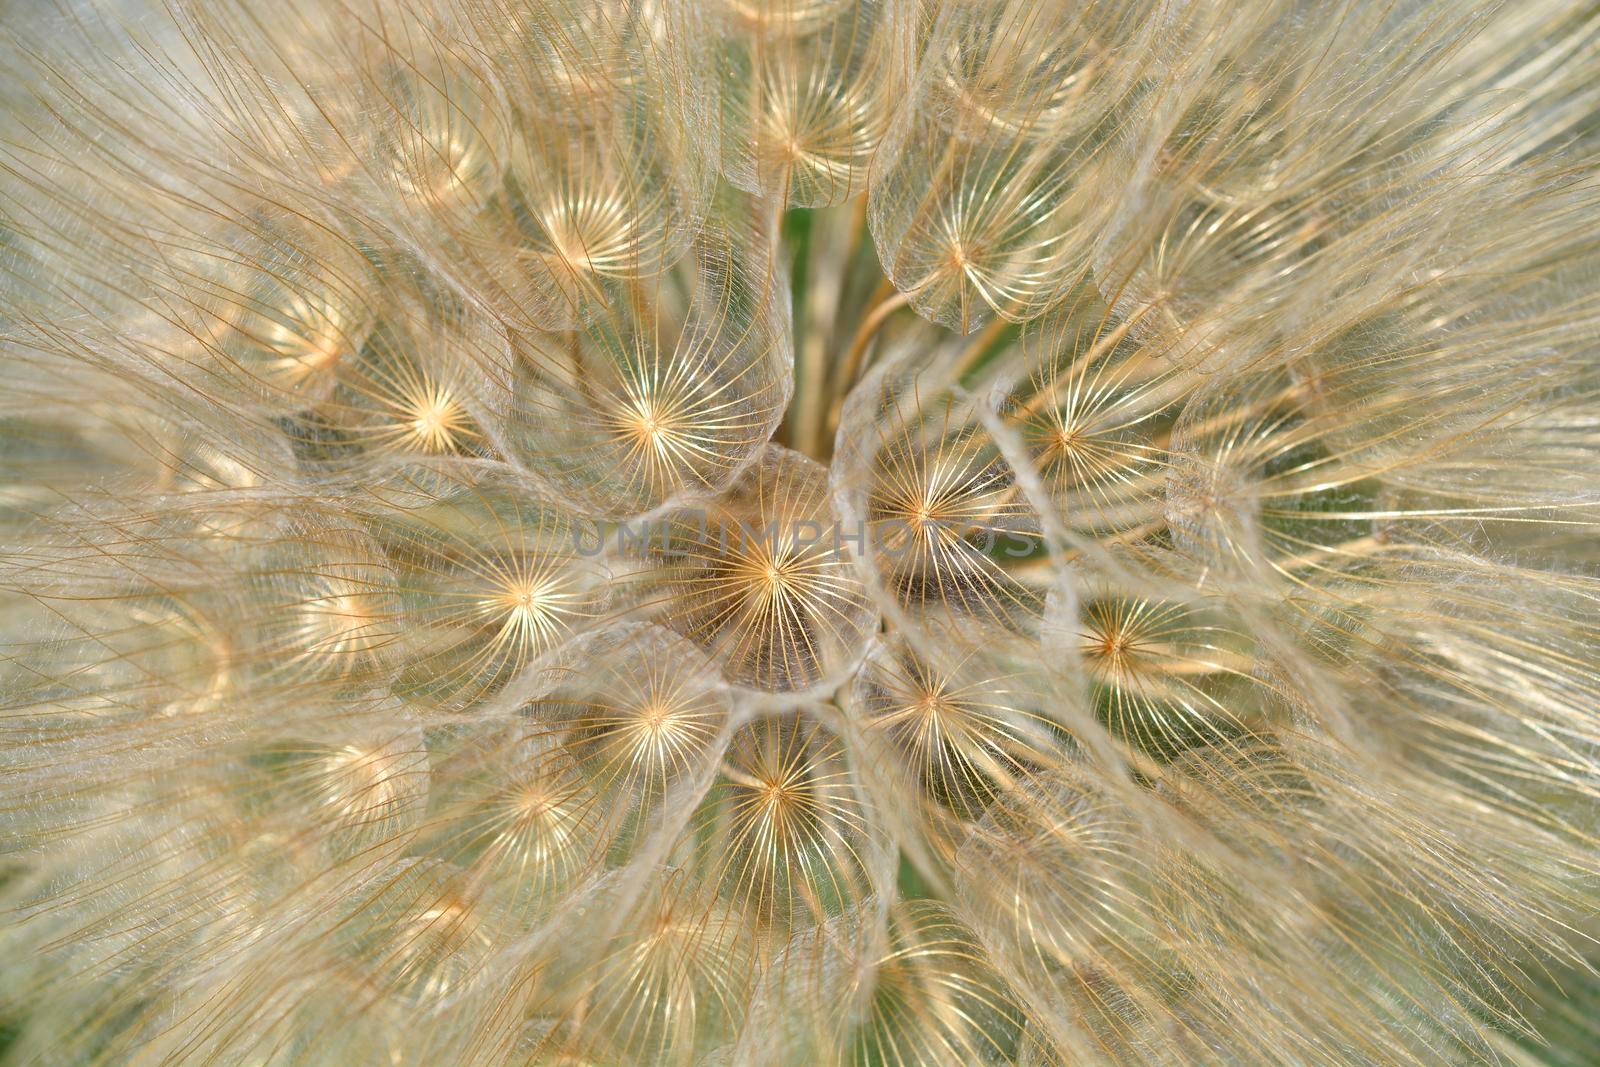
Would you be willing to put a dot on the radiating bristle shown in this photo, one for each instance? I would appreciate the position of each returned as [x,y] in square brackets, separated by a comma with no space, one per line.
[762,580]
[859,533]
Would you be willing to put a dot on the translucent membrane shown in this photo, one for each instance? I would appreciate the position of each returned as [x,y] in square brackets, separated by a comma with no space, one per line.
[1087,918]
[415,649]
[58,451]
[191,609]
[329,608]
[669,391]
[1281,468]
[649,718]
[913,987]
[762,579]
[987,198]
[446,146]
[808,93]
[1275,192]
[287,311]
[944,738]
[360,790]
[612,157]
[671,984]
[520,816]
[952,539]
[785,834]
[491,579]
[420,928]
[1474,701]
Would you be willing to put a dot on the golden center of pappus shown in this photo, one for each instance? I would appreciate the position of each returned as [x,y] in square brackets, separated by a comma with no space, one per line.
[1118,637]
[590,231]
[1109,651]
[655,434]
[655,719]
[546,820]
[344,626]
[766,583]
[532,608]
[305,340]
[937,500]
[664,734]
[810,125]
[1066,440]
[436,420]
[781,578]
[912,533]
[648,720]
[403,407]
[932,707]
[365,785]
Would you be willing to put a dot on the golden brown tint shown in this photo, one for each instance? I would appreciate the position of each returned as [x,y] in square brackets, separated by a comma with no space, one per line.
[750,533]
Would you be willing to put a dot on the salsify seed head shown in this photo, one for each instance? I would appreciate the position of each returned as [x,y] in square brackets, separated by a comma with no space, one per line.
[847,532]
